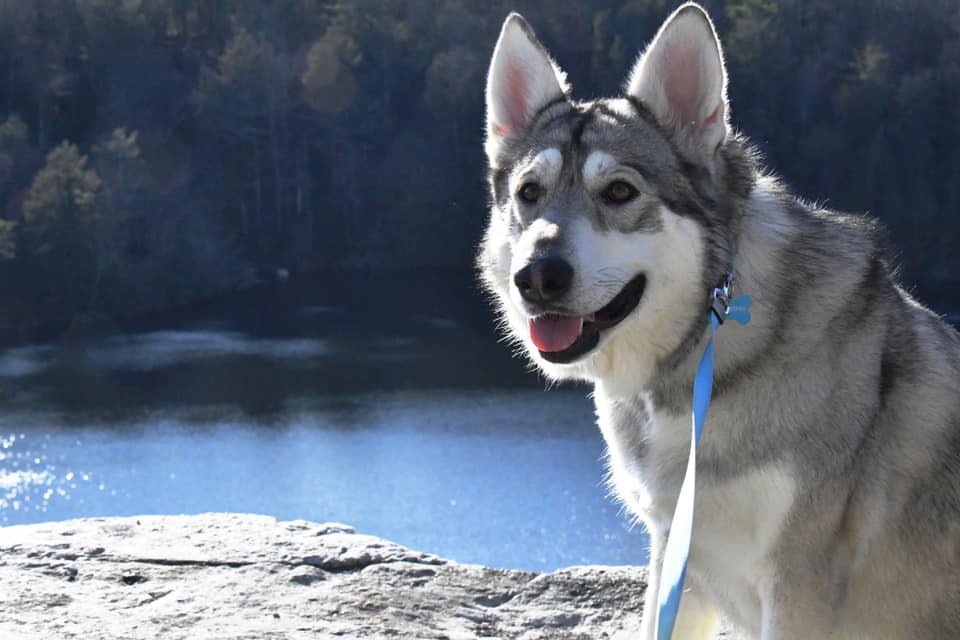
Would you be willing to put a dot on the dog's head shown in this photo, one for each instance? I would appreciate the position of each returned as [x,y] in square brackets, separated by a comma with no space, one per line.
[611,219]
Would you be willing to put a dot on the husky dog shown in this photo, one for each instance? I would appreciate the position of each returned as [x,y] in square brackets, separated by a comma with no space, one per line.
[828,498]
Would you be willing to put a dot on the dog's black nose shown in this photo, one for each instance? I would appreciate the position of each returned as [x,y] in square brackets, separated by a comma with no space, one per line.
[544,280]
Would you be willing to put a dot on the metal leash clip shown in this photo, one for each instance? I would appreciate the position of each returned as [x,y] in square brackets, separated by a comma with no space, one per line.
[720,299]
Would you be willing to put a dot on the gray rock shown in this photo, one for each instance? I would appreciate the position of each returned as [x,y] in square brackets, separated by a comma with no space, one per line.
[246,576]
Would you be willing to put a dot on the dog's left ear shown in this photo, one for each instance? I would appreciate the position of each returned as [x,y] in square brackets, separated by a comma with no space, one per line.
[681,79]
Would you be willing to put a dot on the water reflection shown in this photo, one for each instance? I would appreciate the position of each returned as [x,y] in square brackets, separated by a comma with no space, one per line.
[155,350]
[25,361]
[30,482]
[262,351]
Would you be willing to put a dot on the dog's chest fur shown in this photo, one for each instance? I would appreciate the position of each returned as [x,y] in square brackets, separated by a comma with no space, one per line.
[739,513]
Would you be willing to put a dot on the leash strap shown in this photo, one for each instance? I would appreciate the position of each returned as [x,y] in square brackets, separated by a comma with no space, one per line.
[678,542]
[675,556]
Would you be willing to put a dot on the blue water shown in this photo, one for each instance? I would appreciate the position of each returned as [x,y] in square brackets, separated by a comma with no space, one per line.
[509,479]
[414,426]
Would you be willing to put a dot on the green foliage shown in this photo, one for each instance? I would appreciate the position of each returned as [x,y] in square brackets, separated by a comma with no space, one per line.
[13,132]
[207,140]
[62,205]
[329,82]
[62,215]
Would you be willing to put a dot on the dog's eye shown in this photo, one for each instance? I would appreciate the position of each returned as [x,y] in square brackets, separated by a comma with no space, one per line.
[529,192]
[619,192]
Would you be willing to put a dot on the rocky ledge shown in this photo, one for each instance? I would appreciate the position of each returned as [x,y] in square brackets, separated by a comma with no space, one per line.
[246,576]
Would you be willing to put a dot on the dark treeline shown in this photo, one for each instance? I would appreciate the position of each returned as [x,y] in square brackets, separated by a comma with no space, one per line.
[155,152]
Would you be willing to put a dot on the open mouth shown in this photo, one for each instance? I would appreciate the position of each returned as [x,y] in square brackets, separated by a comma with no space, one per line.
[563,338]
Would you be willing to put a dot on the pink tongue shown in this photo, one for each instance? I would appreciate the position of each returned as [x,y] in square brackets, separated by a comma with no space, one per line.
[554,332]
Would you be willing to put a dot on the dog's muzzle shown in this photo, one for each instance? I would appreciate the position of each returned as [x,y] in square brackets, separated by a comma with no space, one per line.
[562,339]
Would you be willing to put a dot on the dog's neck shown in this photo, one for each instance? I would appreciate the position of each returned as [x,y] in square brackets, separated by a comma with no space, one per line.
[767,227]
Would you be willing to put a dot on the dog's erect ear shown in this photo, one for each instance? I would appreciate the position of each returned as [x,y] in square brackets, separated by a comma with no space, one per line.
[521,81]
[681,79]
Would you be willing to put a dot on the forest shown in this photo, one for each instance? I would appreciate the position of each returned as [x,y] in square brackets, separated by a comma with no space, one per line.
[156,153]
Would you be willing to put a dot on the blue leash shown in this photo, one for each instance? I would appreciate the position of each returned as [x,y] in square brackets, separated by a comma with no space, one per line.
[681,530]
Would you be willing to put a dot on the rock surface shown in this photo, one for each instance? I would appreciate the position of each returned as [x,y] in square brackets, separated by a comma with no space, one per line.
[246,576]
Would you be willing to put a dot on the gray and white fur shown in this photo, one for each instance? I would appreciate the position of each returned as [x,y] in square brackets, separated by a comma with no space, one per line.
[828,482]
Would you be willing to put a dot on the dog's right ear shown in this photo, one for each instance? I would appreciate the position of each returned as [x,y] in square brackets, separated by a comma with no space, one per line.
[521,81]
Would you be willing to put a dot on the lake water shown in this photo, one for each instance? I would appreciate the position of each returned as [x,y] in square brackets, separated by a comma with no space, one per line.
[349,398]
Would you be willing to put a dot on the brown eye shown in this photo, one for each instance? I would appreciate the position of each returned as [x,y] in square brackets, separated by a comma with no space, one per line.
[529,192]
[619,192]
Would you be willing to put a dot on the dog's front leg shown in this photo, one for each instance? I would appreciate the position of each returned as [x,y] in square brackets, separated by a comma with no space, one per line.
[697,618]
